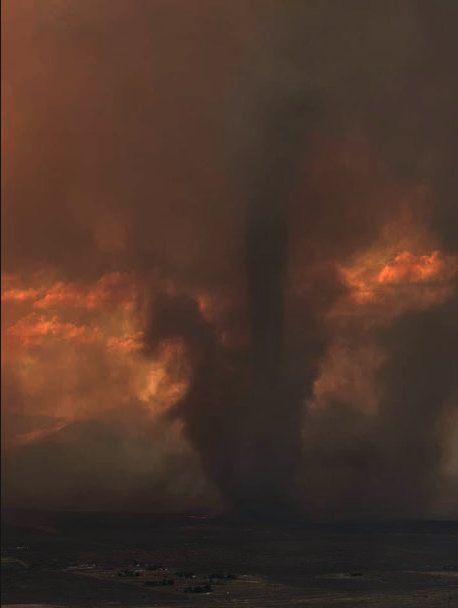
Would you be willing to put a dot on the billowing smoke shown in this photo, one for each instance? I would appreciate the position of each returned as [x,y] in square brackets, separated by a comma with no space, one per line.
[248,424]
[276,181]
[237,410]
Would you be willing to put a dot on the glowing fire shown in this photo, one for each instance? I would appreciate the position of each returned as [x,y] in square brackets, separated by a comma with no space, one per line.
[75,350]
[87,336]
[381,284]
[407,267]
[424,276]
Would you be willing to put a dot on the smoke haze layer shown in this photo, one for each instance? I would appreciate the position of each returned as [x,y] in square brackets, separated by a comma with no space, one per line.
[229,232]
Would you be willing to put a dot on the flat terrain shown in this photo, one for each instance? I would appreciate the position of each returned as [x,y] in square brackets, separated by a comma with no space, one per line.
[88,559]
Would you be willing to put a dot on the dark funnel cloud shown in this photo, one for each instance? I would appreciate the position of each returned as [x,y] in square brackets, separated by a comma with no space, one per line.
[250,434]
[269,448]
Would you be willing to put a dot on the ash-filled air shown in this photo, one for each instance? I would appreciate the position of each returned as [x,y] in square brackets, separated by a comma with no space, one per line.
[229,233]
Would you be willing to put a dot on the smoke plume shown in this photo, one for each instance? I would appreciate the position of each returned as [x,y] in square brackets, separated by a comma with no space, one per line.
[230,268]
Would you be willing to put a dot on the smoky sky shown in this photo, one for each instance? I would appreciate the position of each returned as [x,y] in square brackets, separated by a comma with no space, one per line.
[194,143]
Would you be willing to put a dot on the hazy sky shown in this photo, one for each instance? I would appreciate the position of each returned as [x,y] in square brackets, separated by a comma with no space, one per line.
[229,263]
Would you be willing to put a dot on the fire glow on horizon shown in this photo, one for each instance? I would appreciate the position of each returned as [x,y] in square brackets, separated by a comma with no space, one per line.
[44,320]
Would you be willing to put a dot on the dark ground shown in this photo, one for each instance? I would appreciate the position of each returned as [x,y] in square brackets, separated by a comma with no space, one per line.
[74,559]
